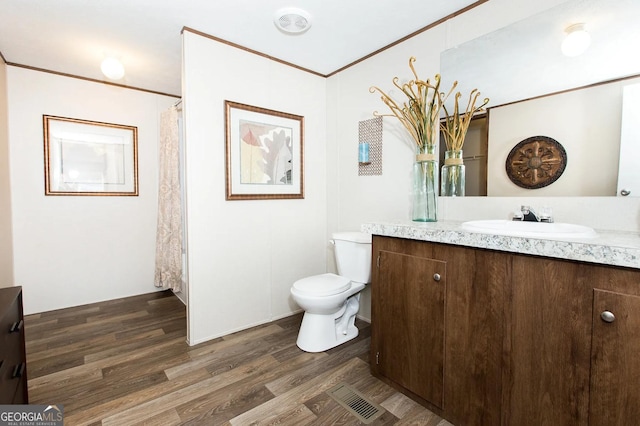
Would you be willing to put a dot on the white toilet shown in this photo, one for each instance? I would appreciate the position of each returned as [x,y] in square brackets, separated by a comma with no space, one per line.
[331,301]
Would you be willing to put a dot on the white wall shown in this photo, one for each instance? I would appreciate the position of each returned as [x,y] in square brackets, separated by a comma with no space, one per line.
[245,255]
[6,249]
[353,199]
[589,135]
[73,250]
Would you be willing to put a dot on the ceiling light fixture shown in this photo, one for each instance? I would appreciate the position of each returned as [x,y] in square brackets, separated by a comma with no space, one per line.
[112,68]
[291,20]
[577,40]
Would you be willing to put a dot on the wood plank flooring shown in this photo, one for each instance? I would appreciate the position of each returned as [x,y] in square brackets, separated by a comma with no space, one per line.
[126,362]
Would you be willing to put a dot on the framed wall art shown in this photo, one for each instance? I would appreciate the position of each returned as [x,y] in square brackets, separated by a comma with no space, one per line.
[264,153]
[83,157]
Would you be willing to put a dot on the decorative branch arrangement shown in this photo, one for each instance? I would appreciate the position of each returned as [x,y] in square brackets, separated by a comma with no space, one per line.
[455,126]
[420,113]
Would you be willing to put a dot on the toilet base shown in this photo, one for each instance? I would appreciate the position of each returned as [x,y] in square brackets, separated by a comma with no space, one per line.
[319,332]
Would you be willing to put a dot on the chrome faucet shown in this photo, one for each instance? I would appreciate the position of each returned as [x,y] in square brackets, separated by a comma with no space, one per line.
[527,214]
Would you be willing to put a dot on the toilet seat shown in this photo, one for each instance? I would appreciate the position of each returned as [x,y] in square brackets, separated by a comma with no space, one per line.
[322,285]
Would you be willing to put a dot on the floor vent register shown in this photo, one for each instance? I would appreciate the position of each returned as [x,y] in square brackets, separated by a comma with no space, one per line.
[366,411]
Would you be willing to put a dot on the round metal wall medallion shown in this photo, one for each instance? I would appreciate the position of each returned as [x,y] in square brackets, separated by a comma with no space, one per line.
[536,162]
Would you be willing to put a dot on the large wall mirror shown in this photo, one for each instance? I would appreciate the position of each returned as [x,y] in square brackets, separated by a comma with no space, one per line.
[536,90]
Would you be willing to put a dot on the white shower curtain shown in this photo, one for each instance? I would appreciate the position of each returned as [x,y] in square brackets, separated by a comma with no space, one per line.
[168,272]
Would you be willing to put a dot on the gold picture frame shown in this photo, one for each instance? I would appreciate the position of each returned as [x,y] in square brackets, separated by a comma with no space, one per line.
[264,156]
[83,157]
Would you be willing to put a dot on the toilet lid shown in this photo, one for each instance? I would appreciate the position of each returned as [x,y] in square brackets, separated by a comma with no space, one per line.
[322,285]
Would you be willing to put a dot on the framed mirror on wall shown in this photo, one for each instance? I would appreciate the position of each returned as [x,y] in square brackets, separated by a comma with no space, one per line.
[83,157]
[536,90]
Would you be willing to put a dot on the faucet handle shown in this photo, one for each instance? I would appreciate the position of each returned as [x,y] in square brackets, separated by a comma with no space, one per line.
[546,214]
[518,215]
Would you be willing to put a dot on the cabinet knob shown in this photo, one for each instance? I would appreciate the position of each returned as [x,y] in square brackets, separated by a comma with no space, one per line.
[625,192]
[607,316]
[436,277]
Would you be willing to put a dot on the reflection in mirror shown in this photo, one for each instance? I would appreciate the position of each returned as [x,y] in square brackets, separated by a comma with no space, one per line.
[585,122]
[474,156]
[628,172]
[524,60]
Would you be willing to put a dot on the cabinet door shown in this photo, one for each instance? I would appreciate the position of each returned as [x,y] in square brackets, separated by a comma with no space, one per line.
[409,323]
[549,343]
[615,360]
[475,333]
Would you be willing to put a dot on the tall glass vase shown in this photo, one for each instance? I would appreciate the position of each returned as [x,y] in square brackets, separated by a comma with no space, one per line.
[452,179]
[425,185]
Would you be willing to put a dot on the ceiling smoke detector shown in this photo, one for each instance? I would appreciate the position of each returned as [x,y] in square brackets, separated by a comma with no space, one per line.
[291,20]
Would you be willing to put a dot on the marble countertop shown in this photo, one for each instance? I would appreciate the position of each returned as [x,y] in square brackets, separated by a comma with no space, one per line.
[608,248]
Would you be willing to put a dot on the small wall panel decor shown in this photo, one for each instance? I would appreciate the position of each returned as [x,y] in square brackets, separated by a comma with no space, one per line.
[370,131]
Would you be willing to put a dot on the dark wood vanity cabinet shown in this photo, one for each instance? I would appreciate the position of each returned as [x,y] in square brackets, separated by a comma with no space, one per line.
[438,338]
[615,359]
[525,340]
[411,295]
[547,363]
[13,364]
[574,346]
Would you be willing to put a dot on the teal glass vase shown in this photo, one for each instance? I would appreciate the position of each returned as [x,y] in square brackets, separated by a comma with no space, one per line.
[452,180]
[425,185]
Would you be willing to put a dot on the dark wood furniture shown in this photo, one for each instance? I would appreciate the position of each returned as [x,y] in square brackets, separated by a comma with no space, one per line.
[13,361]
[505,339]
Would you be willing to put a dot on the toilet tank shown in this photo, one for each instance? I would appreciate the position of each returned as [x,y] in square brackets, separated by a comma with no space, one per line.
[353,255]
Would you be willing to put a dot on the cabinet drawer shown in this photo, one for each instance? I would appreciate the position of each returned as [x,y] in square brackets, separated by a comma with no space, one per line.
[12,356]
[11,341]
[20,396]
[11,372]
[12,368]
[9,315]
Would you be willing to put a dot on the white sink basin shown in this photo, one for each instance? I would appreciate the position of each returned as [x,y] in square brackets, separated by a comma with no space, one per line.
[529,229]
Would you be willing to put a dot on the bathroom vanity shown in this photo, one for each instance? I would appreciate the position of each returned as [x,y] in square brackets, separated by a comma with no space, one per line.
[500,330]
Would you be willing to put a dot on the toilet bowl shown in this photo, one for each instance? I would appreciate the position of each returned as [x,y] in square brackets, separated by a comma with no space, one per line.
[332,301]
